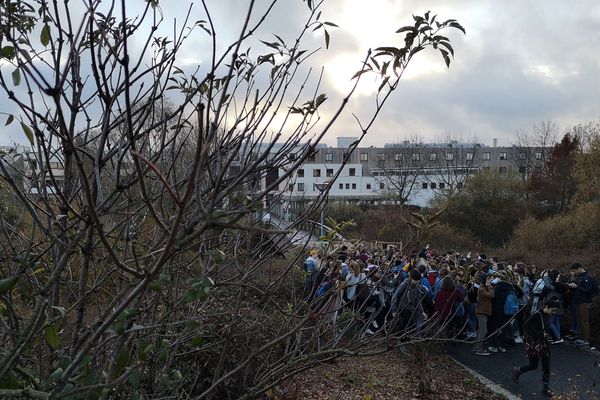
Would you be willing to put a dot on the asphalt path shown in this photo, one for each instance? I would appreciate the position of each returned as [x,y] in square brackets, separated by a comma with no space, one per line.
[572,370]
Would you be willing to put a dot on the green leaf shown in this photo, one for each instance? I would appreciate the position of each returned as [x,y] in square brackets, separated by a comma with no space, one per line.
[331,24]
[405,29]
[121,361]
[135,378]
[9,381]
[8,52]
[28,132]
[446,57]
[16,77]
[326,39]
[51,335]
[197,340]
[45,35]
[9,120]
[56,375]
[7,284]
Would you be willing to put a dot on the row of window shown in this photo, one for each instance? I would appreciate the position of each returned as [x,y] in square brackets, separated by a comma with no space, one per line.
[328,172]
[364,157]
[348,186]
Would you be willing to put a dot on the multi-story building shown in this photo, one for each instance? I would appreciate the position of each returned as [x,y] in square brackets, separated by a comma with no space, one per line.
[405,173]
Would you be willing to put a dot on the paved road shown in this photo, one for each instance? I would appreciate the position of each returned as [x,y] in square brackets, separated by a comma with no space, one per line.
[570,369]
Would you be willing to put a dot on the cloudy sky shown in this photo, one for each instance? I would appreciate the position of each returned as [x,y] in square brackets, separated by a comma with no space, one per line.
[520,63]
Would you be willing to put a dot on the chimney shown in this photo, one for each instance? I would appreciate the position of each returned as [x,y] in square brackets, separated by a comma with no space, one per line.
[495,142]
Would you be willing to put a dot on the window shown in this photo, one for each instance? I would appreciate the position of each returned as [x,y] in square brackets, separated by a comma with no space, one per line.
[341,186]
[312,156]
[301,187]
[291,187]
[398,156]
[522,170]
[416,157]
[449,156]
[424,185]
[486,155]
[381,157]
[368,186]
[502,170]
[381,185]
[459,185]
[329,172]
[328,156]
[432,157]
[300,173]
[354,186]
[316,173]
[538,155]
[364,156]
[347,186]
[503,155]
[442,185]
[433,185]
[292,156]
[352,172]
[469,156]
[523,155]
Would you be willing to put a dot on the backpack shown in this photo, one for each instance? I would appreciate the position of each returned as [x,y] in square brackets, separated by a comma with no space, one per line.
[511,304]
[411,298]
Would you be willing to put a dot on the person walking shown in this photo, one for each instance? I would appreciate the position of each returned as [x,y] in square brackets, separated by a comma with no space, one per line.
[537,347]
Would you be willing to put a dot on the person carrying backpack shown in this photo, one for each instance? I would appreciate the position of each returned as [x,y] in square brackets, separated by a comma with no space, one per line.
[407,301]
[537,347]
[585,288]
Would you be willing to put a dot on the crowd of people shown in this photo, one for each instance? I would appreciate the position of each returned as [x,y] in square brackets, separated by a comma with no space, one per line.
[492,303]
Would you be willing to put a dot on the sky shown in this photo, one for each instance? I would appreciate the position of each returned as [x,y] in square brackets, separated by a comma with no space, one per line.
[520,63]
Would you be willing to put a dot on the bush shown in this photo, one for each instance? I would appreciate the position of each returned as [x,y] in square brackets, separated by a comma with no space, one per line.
[560,235]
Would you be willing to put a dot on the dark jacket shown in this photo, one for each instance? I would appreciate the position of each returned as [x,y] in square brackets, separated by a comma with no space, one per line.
[583,291]
[534,327]
[501,291]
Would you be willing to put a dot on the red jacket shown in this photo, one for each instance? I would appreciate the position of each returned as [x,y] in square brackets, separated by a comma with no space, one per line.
[444,302]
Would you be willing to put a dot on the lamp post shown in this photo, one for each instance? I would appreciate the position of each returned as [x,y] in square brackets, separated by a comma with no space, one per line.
[321,188]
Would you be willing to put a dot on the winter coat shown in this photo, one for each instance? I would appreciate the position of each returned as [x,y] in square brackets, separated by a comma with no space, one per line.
[485,295]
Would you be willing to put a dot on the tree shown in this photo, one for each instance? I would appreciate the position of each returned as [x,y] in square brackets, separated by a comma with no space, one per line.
[402,170]
[489,207]
[555,190]
[139,266]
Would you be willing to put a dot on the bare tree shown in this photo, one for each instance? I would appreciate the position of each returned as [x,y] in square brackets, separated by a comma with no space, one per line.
[134,275]
[450,163]
[402,169]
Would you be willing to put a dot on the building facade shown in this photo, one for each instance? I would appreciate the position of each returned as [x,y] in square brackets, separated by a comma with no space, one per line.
[406,173]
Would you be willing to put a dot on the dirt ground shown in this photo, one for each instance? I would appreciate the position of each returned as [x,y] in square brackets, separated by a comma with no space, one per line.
[388,376]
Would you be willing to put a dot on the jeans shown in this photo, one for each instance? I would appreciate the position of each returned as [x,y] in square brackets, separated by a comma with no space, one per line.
[482,321]
[533,364]
[554,322]
[471,318]
[574,319]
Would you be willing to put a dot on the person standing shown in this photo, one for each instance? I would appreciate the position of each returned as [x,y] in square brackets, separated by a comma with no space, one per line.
[582,298]
[483,311]
[536,346]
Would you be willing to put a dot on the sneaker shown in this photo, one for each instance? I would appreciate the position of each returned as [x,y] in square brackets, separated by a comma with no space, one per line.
[519,339]
[557,341]
[493,349]
[516,372]
[471,335]
[482,353]
[369,332]
[582,345]
[375,324]
[502,349]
